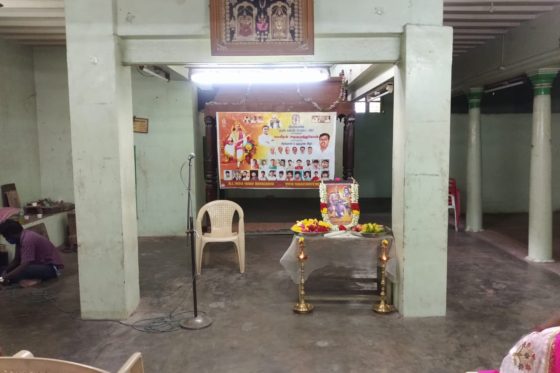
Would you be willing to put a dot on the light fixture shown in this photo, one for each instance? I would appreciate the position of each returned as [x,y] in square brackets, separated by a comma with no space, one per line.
[259,76]
[155,71]
[504,85]
[381,91]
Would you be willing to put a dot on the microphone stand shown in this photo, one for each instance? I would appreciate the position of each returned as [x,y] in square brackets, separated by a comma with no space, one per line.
[198,321]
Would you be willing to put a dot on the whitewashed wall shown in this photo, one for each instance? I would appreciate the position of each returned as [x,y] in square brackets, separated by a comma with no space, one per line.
[19,142]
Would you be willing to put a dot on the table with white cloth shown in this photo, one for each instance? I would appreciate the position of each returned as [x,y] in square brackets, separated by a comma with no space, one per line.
[343,249]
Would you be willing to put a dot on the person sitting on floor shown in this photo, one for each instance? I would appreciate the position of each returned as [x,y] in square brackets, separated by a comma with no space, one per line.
[36,259]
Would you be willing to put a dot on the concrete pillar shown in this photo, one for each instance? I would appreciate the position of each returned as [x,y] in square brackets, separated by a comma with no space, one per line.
[103,163]
[540,183]
[421,168]
[474,163]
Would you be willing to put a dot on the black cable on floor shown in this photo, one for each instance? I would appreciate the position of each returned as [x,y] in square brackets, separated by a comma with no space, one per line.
[161,324]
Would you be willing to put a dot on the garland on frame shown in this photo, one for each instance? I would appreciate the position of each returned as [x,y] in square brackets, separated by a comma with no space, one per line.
[354,206]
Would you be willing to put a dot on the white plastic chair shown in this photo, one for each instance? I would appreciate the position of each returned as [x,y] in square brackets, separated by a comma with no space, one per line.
[221,215]
[134,364]
[25,362]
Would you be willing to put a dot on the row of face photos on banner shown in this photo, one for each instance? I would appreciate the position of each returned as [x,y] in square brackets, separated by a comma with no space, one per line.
[275,150]
[281,150]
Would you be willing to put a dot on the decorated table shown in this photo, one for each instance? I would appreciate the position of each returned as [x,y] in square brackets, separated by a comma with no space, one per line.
[310,252]
[344,249]
[339,240]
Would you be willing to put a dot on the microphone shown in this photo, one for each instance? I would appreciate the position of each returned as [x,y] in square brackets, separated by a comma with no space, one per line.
[191,156]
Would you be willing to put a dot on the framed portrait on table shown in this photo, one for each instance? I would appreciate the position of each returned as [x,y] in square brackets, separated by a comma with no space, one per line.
[261,27]
[339,203]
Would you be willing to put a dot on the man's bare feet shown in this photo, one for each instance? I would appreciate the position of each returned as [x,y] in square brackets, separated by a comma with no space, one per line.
[29,283]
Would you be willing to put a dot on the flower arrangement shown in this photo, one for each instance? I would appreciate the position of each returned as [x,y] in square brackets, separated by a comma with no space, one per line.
[311,226]
[337,205]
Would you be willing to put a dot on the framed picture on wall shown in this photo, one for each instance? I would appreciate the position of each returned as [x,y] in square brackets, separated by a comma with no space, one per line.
[339,203]
[140,125]
[261,27]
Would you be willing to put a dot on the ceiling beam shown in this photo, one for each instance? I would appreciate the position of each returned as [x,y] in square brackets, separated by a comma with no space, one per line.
[470,31]
[473,37]
[32,22]
[469,42]
[32,30]
[31,13]
[488,17]
[482,2]
[32,3]
[34,37]
[495,9]
[42,42]
[480,24]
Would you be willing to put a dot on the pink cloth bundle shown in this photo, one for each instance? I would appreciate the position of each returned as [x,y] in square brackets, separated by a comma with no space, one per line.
[537,352]
[7,212]
[555,355]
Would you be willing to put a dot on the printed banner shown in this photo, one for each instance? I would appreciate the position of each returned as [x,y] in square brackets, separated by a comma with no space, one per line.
[275,149]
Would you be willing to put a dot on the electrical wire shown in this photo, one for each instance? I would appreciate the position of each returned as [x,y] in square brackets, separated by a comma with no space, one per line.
[181,174]
[160,324]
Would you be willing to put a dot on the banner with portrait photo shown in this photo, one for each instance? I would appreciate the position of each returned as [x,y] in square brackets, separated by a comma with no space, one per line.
[267,150]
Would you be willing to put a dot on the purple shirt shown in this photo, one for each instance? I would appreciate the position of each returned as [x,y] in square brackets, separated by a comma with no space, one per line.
[36,249]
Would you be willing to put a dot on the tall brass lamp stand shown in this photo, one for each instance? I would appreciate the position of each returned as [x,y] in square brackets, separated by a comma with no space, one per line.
[383,306]
[302,307]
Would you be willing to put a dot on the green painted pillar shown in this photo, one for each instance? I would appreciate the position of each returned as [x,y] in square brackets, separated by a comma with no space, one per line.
[474,163]
[540,182]
[103,161]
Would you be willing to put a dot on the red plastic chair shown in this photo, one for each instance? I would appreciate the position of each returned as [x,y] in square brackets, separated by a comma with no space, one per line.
[454,202]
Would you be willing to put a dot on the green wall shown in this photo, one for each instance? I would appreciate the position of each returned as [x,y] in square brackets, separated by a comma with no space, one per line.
[161,195]
[19,144]
[373,141]
[506,147]
[169,106]
[53,123]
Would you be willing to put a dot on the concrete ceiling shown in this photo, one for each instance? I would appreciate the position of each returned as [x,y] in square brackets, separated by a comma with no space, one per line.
[41,22]
[33,22]
[475,22]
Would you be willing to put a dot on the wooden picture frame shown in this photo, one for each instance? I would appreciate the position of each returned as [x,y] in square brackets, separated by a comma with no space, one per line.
[261,27]
[140,125]
[339,203]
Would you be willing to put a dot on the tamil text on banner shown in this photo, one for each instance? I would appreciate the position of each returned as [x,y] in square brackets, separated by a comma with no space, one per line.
[275,149]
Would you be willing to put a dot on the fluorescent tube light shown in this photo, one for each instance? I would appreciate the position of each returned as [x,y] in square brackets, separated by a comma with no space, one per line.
[156,72]
[259,76]
[386,89]
[504,86]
